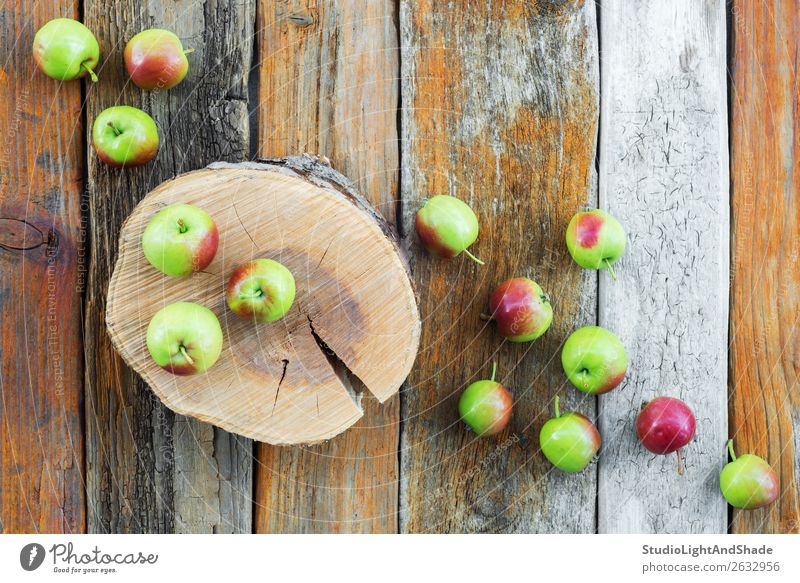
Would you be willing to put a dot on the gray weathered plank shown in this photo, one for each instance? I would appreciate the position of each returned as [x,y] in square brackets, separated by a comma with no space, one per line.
[148,470]
[664,174]
[500,104]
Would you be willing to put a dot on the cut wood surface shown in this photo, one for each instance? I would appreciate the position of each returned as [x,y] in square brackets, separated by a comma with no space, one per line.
[41,283]
[500,105]
[765,305]
[328,85]
[664,175]
[355,304]
[143,468]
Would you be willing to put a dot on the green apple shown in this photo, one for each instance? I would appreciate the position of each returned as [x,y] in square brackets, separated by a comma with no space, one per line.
[155,59]
[262,290]
[125,136]
[184,338]
[569,441]
[595,240]
[180,239]
[485,406]
[594,360]
[65,49]
[446,226]
[748,481]
[520,309]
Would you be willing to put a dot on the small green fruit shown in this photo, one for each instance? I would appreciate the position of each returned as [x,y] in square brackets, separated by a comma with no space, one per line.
[594,360]
[125,136]
[485,406]
[595,240]
[748,481]
[569,441]
[184,338]
[447,226]
[262,290]
[65,49]
[180,239]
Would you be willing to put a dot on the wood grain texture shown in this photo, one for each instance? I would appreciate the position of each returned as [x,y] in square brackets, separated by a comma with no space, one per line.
[328,85]
[143,473]
[664,175]
[500,106]
[41,283]
[354,308]
[765,400]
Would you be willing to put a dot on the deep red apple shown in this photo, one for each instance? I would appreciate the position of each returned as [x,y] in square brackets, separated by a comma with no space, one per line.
[665,425]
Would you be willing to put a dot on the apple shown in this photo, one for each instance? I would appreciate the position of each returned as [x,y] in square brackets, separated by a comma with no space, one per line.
[595,240]
[485,406]
[520,309]
[594,360]
[125,136]
[748,481]
[180,239]
[446,226]
[569,441]
[65,49]
[184,338]
[261,290]
[665,425]
[155,59]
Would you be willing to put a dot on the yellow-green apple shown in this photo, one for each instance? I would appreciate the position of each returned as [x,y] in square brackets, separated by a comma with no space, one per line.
[65,49]
[184,338]
[446,226]
[520,309]
[748,481]
[155,59]
[180,239]
[665,425]
[569,440]
[261,290]
[594,360]
[595,240]
[125,136]
[485,406]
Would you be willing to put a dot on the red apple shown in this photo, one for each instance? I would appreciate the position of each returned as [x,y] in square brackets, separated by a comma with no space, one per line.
[155,59]
[521,310]
[665,425]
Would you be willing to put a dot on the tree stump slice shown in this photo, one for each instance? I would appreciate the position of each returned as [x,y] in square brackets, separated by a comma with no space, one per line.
[355,311]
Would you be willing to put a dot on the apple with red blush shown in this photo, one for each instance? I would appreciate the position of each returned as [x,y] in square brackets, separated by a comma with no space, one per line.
[520,310]
[595,240]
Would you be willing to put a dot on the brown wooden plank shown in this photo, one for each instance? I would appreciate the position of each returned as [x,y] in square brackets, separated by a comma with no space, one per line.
[764,395]
[147,469]
[500,108]
[41,283]
[328,85]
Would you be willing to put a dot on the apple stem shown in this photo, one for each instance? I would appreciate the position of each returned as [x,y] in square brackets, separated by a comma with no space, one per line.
[116,131]
[186,355]
[485,317]
[494,369]
[92,74]
[181,225]
[610,269]
[255,294]
[557,410]
[475,259]
[188,51]
[730,450]
[680,463]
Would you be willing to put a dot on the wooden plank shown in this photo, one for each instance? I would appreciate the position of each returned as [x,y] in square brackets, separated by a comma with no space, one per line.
[500,105]
[328,85]
[664,175]
[41,283]
[764,400]
[149,470]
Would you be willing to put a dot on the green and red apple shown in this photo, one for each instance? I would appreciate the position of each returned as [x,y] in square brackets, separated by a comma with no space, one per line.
[262,290]
[184,338]
[446,226]
[65,49]
[155,59]
[569,440]
[180,239]
[125,136]
[595,240]
[485,406]
[520,309]
[594,360]
[748,481]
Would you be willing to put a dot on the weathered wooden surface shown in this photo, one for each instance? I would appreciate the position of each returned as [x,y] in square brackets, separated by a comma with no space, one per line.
[664,175]
[328,86]
[500,105]
[41,283]
[148,470]
[354,309]
[765,305]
